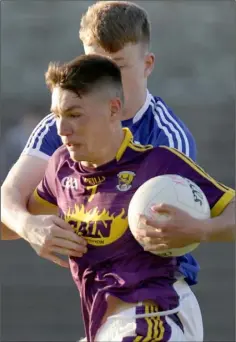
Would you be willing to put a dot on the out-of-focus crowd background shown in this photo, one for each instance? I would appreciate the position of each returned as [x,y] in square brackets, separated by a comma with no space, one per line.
[194,43]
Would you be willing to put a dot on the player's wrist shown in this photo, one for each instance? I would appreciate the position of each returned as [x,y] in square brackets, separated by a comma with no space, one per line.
[24,225]
[206,230]
[13,220]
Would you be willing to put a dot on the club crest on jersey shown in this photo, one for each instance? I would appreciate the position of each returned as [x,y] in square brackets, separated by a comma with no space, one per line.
[69,183]
[125,179]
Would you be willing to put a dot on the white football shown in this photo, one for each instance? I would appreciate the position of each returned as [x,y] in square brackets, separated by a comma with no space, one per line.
[173,190]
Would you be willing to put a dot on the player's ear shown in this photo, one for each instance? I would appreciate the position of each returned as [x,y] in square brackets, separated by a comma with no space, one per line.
[115,108]
[149,64]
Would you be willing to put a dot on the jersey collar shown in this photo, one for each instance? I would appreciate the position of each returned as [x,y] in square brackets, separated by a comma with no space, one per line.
[125,143]
[138,116]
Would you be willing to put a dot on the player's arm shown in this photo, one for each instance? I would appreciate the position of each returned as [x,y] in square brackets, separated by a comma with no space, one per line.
[26,174]
[221,226]
[23,178]
[21,181]
[7,234]
[182,229]
[43,202]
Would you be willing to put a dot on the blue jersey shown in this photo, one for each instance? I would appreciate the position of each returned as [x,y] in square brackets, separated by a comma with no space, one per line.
[154,124]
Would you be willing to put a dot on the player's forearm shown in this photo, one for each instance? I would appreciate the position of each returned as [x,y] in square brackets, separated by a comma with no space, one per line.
[21,181]
[223,227]
[14,212]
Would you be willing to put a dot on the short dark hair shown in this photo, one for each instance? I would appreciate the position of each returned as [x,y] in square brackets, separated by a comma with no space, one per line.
[113,24]
[85,74]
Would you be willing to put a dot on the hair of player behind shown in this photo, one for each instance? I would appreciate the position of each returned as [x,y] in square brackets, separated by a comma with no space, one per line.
[113,24]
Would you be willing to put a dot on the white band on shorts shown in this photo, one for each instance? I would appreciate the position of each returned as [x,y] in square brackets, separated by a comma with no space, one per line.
[153,314]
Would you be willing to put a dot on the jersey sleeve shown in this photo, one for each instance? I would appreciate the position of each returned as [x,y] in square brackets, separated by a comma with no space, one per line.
[44,140]
[174,133]
[46,191]
[217,194]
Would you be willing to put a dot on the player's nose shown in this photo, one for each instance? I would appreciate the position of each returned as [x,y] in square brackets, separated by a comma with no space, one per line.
[63,127]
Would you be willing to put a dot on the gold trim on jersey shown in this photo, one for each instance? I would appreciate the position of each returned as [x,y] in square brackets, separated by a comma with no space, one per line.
[41,200]
[222,203]
[128,142]
[229,193]
[128,137]
[155,326]
[139,147]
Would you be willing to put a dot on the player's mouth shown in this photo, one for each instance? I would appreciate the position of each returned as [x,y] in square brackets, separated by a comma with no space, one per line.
[72,147]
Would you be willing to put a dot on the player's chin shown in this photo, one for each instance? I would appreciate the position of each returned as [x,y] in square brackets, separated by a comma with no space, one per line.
[76,155]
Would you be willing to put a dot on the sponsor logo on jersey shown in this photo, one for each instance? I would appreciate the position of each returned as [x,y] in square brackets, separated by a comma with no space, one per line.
[98,227]
[69,183]
[94,180]
[125,179]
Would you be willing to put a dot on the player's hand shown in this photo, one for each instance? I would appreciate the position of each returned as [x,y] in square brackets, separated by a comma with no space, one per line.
[50,235]
[177,230]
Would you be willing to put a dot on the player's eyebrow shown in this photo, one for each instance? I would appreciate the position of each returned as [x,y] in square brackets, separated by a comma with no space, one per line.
[68,109]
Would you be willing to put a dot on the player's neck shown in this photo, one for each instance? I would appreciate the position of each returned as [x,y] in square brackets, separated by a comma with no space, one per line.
[109,152]
[135,106]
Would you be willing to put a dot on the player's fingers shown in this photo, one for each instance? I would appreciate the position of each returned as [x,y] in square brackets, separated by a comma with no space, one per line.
[163,208]
[62,224]
[149,227]
[57,260]
[159,221]
[156,247]
[151,241]
[71,236]
[65,251]
[67,244]
[150,232]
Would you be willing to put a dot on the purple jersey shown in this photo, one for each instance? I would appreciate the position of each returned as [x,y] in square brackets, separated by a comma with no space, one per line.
[154,123]
[95,203]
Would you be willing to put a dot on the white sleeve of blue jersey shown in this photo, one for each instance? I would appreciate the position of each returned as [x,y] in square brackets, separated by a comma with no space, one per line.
[44,140]
[174,132]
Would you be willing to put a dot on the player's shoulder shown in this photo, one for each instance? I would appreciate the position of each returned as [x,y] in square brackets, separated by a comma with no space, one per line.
[165,112]
[44,139]
[164,151]
[172,131]
[167,117]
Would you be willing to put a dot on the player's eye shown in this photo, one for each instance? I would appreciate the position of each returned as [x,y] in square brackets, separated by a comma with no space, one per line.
[74,116]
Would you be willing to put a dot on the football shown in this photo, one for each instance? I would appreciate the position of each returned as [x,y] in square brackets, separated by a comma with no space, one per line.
[172,190]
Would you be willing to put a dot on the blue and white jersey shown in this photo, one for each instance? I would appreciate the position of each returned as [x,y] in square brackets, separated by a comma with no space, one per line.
[153,124]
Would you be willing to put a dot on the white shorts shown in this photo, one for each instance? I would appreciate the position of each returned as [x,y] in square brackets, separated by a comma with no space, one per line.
[185,325]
